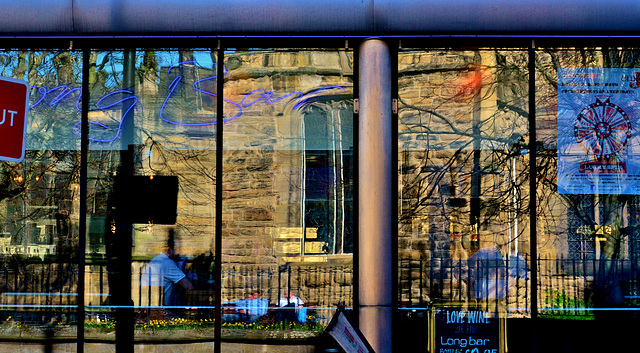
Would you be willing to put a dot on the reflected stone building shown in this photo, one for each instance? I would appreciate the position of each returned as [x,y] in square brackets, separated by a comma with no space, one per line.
[405,159]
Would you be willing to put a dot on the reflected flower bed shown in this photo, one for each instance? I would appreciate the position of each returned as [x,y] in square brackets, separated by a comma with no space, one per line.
[169,329]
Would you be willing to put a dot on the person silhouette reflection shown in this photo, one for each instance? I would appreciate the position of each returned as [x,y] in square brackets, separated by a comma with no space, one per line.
[164,271]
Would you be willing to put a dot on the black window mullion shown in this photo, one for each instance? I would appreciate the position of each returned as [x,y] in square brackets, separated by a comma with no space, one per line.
[84,147]
[218,200]
[532,193]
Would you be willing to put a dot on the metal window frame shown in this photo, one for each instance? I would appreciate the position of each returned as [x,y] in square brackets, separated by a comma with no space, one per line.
[531,43]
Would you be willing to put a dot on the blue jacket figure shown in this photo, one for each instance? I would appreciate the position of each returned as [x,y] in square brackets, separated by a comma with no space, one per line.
[488,271]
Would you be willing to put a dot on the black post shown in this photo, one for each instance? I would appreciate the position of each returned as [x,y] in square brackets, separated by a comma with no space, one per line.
[125,324]
[218,199]
[532,195]
[84,147]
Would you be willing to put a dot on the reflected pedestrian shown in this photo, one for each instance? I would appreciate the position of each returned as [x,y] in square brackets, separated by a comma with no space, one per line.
[291,301]
[163,270]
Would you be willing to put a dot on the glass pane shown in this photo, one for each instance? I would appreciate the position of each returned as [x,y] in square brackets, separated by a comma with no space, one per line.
[151,194]
[463,183]
[288,181]
[587,115]
[39,198]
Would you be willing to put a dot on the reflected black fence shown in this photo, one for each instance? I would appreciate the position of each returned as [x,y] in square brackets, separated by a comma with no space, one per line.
[35,291]
[565,287]
[38,291]
[319,286]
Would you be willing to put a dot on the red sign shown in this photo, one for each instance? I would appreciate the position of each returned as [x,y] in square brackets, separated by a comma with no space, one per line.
[14,96]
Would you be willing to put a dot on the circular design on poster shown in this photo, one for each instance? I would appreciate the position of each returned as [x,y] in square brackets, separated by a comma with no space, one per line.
[602,128]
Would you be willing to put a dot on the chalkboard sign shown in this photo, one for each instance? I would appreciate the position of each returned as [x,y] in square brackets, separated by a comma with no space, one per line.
[466,330]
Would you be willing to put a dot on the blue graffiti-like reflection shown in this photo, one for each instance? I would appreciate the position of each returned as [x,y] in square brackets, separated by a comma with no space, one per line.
[126,99]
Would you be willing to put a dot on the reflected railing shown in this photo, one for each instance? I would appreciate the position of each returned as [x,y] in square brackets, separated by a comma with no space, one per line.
[37,292]
[567,287]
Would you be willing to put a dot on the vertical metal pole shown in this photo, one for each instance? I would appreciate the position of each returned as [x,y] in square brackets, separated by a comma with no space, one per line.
[218,200]
[375,189]
[140,290]
[477,143]
[532,196]
[84,146]
[356,187]
[279,283]
[101,281]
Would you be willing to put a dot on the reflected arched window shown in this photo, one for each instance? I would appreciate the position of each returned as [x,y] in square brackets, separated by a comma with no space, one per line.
[328,177]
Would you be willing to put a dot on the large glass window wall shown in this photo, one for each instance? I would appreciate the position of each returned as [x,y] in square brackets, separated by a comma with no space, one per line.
[151,192]
[463,181]
[152,149]
[586,123]
[465,236]
[288,197]
[85,245]
[40,199]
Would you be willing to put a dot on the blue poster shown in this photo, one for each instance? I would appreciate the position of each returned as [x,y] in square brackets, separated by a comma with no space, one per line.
[598,124]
